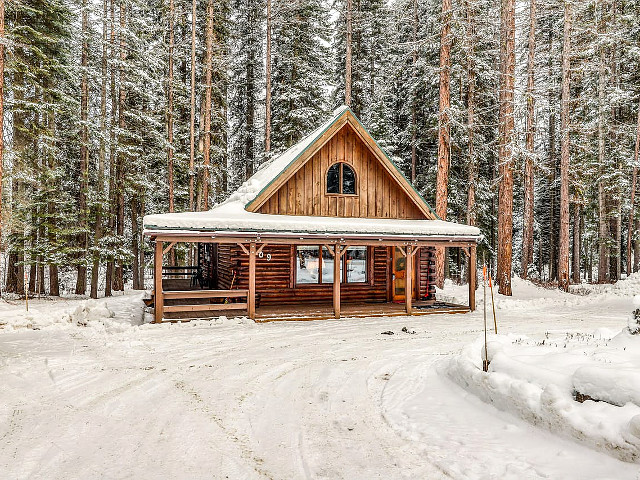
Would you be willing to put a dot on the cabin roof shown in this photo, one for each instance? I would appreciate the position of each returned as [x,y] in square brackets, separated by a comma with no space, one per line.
[238,212]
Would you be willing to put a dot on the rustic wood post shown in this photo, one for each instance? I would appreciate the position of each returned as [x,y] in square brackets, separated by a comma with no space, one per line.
[472,277]
[251,307]
[408,282]
[336,280]
[158,296]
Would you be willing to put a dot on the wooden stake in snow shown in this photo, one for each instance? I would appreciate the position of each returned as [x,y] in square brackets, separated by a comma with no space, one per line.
[485,360]
[493,306]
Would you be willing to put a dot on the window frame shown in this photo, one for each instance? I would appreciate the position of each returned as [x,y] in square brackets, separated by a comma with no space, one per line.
[343,268]
[341,180]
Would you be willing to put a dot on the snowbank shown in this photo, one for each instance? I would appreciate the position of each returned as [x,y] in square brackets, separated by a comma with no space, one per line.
[88,313]
[538,382]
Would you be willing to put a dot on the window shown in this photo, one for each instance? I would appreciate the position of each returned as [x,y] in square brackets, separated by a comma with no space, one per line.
[308,263]
[356,260]
[313,267]
[341,179]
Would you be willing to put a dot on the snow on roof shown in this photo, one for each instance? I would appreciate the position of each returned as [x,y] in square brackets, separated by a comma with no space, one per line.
[271,169]
[231,216]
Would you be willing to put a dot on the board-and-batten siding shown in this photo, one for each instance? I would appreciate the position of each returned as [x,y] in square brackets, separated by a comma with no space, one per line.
[275,278]
[378,194]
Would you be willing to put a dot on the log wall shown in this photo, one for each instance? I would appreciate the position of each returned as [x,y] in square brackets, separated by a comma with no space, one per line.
[275,278]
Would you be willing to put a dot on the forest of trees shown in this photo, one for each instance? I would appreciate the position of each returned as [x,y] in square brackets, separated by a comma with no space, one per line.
[521,118]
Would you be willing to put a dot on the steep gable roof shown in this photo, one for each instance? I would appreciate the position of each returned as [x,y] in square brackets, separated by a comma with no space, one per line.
[275,173]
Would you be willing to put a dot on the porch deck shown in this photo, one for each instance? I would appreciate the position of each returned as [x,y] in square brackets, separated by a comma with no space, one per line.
[270,313]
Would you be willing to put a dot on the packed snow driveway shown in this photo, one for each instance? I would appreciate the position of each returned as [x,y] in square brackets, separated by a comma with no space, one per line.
[285,400]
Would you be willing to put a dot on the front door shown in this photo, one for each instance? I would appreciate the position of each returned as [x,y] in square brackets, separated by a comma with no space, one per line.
[399,275]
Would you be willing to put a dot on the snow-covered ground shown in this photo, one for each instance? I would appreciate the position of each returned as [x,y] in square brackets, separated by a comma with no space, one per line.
[88,390]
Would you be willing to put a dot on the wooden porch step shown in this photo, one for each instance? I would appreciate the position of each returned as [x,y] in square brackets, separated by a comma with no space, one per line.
[205,307]
[172,294]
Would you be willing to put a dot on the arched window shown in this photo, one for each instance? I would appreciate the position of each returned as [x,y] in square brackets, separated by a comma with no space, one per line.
[341,179]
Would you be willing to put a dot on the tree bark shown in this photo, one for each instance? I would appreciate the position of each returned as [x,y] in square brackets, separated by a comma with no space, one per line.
[552,162]
[505,151]
[633,195]
[575,268]
[471,100]
[135,246]
[81,282]
[347,69]
[118,280]
[636,248]
[170,109]
[444,131]
[95,269]
[1,112]
[192,123]
[414,61]
[113,149]
[527,234]
[565,155]
[267,101]
[207,106]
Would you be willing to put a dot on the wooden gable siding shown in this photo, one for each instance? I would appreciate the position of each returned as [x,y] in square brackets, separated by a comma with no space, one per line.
[378,194]
[275,278]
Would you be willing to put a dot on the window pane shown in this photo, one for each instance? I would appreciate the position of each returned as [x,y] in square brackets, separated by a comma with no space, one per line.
[348,180]
[356,258]
[307,262]
[333,178]
[327,266]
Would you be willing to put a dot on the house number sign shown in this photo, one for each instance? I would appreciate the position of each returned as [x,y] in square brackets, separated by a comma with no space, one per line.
[261,254]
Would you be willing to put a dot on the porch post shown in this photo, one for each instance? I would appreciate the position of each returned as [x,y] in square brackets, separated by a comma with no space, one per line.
[408,282]
[472,277]
[336,280]
[252,282]
[158,295]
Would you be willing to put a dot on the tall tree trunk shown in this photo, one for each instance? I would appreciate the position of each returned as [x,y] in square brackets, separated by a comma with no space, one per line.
[249,147]
[505,151]
[81,282]
[1,113]
[347,69]
[172,253]
[141,252]
[575,269]
[95,269]
[414,100]
[207,106]
[633,195]
[192,123]
[444,131]
[170,109]
[552,160]
[636,247]
[113,151]
[135,246]
[50,162]
[118,280]
[527,233]
[267,100]
[617,202]
[565,155]
[471,100]
[603,221]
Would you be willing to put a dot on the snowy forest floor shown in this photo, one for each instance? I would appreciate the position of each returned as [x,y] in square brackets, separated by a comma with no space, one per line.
[88,390]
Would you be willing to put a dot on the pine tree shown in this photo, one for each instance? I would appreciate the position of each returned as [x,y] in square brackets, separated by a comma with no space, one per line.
[299,75]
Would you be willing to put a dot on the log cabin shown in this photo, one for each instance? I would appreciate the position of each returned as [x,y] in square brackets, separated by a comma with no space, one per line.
[330,227]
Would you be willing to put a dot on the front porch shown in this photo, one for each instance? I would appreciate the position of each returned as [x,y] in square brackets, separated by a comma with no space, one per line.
[263,284]
[270,313]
